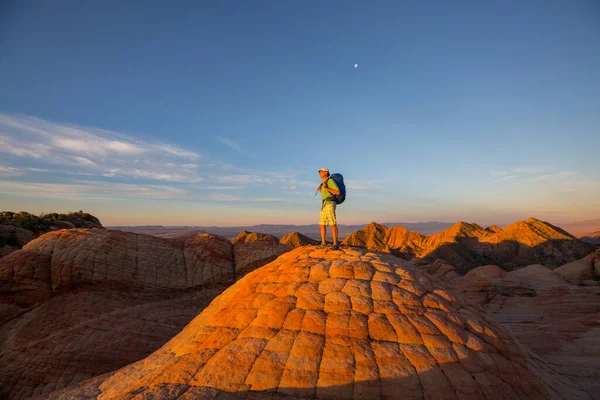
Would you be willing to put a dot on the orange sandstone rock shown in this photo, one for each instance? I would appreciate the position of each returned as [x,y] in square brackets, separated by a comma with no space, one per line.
[467,245]
[316,342]
[75,304]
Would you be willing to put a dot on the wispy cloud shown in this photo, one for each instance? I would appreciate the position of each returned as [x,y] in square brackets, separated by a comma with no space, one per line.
[6,171]
[234,145]
[95,151]
[94,146]
[221,166]
[91,190]
[121,165]
[527,170]
[21,148]
[163,176]
[517,171]
[102,190]
[531,174]
[267,178]
[225,187]
[507,177]
[175,151]
[83,160]
[10,171]
[555,176]
[363,185]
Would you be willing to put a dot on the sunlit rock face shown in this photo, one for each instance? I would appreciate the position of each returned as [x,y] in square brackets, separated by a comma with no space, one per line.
[347,324]
[467,245]
[247,236]
[295,239]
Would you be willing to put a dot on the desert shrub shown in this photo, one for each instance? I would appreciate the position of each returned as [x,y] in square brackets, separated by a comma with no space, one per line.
[41,223]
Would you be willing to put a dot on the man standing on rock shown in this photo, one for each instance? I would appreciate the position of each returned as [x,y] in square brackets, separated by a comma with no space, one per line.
[328,188]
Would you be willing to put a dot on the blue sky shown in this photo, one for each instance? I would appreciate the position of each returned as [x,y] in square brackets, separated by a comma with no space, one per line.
[221,113]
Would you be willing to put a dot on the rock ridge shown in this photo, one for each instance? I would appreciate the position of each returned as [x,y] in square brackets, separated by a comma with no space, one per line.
[17,229]
[468,245]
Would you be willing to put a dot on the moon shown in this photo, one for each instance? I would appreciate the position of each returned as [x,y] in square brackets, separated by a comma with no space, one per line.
[355,65]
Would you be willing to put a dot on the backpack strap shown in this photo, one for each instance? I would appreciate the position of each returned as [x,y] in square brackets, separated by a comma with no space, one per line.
[331,196]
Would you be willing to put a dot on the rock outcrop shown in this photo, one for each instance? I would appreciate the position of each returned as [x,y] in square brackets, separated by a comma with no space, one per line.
[585,271]
[252,250]
[251,255]
[295,239]
[75,304]
[344,324]
[247,236]
[17,229]
[82,256]
[558,320]
[372,237]
[467,246]
[13,238]
[591,238]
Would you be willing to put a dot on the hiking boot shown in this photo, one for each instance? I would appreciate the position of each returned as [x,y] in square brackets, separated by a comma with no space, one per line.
[322,246]
[335,247]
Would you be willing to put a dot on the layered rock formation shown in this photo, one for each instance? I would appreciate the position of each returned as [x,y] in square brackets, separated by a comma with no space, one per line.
[336,325]
[78,303]
[253,250]
[467,246]
[295,239]
[17,229]
[585,271]
[254,254]
[561,322]
[247,236]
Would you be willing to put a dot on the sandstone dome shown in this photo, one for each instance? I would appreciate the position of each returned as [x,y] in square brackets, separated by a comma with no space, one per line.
[348,324]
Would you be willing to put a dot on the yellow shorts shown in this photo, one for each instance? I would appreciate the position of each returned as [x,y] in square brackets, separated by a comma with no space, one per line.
[327,216]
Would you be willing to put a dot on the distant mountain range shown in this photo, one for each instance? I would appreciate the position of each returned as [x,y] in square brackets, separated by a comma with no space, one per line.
[591,237]
[312,231]
[581,229]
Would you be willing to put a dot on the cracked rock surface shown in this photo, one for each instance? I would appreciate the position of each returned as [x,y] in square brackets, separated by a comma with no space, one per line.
[559,321]
[348,324]
[78,303]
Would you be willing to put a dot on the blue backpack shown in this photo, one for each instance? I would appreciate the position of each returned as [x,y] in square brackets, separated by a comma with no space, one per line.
[339,181]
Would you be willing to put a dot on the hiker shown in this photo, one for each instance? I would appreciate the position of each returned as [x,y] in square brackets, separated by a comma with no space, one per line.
[328,189]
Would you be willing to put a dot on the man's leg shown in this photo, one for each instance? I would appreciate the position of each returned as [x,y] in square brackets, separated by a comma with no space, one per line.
[334,232]
[323,233]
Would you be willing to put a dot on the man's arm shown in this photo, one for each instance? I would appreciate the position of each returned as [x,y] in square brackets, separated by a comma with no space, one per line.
[331,190]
